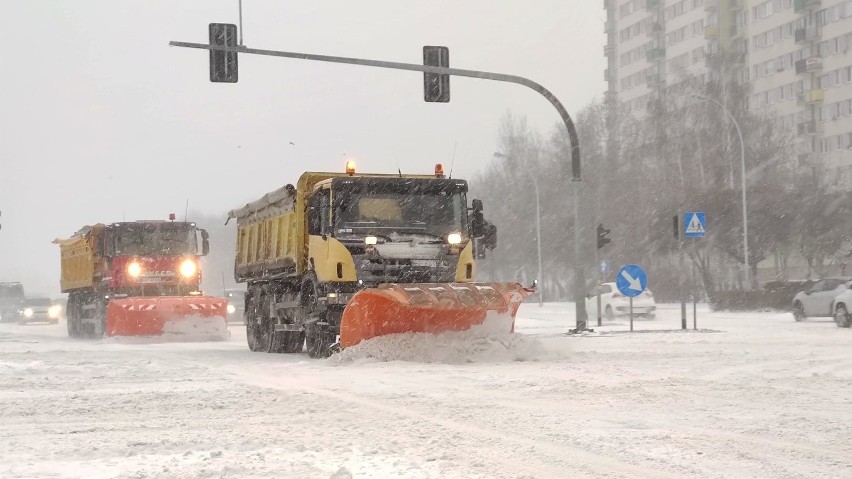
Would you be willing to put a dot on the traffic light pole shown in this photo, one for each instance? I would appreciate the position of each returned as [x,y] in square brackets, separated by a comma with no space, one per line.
[579,274]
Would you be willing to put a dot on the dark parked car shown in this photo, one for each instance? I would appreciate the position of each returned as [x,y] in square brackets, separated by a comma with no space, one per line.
[11,301]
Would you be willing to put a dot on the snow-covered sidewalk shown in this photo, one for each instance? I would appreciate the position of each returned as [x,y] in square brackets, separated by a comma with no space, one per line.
[757,395]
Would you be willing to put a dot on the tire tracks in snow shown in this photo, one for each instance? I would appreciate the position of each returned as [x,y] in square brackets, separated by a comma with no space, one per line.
[514,455]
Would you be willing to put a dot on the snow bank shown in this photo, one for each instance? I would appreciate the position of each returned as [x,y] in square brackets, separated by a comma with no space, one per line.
[485,343]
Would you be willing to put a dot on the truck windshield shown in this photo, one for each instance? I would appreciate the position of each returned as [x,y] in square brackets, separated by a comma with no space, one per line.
[153,239]
[432,213]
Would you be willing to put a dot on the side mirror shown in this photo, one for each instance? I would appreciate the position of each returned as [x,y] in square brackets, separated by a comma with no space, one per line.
[205,243]
[477,221]
[490,236]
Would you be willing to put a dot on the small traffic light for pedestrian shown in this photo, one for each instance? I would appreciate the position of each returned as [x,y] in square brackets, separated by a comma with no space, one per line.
[602,236]
[436,87]
[223,65]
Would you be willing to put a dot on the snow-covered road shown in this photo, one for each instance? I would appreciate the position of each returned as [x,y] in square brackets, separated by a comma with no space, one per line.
[754,395]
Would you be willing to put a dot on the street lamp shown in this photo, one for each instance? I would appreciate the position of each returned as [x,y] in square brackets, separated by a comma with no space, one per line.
[497,154]
[747,273]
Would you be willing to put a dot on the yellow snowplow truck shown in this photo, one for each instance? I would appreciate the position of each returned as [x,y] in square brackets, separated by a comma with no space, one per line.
[345,257]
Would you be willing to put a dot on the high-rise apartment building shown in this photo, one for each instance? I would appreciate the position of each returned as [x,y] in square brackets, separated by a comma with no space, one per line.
[795,55]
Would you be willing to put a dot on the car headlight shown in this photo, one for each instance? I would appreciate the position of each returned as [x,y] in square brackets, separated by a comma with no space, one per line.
[28,312]
[371,240]
[188,268]
[454,238]
[54,311]
[134,269]
[231,309]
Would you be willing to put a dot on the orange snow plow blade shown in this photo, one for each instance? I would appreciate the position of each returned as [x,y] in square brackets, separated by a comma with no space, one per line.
[429,308]
[154,316]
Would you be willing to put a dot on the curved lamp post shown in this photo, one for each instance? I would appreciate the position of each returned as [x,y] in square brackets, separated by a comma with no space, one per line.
[747,273]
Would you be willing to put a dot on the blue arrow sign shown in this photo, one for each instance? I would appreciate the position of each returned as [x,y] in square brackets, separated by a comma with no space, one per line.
[694,224]
[631,280]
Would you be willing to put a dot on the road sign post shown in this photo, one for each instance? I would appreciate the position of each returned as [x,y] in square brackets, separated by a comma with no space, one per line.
[631,282]
[604,268]
[694,226]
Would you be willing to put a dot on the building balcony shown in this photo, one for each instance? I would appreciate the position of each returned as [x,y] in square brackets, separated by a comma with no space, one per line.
[655,29]
[806,128]
[609,27]
[655,54]
[651,4]
[806,34]
[804,6]
[608,50]
[808,65]
[711,31]
[811,96]
[711,5]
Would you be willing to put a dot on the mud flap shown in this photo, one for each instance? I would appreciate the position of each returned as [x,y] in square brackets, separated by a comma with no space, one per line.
[429,308]
[154,316]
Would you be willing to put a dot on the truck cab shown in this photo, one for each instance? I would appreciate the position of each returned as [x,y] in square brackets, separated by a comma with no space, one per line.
[153,258]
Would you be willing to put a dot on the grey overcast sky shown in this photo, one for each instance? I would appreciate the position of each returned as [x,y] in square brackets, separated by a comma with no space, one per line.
[101,120]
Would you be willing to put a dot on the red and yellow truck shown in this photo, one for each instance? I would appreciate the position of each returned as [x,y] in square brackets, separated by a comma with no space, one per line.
[138,278]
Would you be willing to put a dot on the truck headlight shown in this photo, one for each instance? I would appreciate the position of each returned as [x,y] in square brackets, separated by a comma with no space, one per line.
[231,309]
[454,238]
[188,268]
[54,311]
[134,269]
[28,312]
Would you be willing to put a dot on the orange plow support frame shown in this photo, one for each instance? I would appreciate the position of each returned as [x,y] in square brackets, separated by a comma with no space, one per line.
[428,308]
[150,316]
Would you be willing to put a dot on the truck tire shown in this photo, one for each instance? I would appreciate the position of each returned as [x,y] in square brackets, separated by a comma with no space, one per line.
[96,329]
[320,341]
[257,330]
[309,315]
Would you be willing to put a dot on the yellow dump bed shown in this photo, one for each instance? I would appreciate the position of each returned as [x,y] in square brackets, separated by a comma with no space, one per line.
[77,258]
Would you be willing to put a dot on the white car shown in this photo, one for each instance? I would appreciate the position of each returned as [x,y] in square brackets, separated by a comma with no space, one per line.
[843,309]
[613,303]
[819,299]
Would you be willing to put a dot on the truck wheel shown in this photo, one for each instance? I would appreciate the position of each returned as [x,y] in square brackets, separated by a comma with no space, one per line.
[799,312]
[841,317]
[320,341]
[257,330]
[72,317]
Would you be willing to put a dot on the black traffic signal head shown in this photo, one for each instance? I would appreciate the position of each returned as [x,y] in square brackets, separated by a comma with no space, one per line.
[223,65]
[602,236]
[436,87]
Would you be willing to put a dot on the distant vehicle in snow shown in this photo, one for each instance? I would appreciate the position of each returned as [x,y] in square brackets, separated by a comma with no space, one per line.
[236,305]
[819,299]
[613,303]
[39,310]
[843,309]
[11,301]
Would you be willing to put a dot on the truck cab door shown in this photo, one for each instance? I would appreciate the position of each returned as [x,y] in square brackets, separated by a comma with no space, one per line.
[319,226]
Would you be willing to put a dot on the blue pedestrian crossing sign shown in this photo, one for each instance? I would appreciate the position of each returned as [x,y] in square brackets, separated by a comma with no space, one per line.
[631,280]
[694,224]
